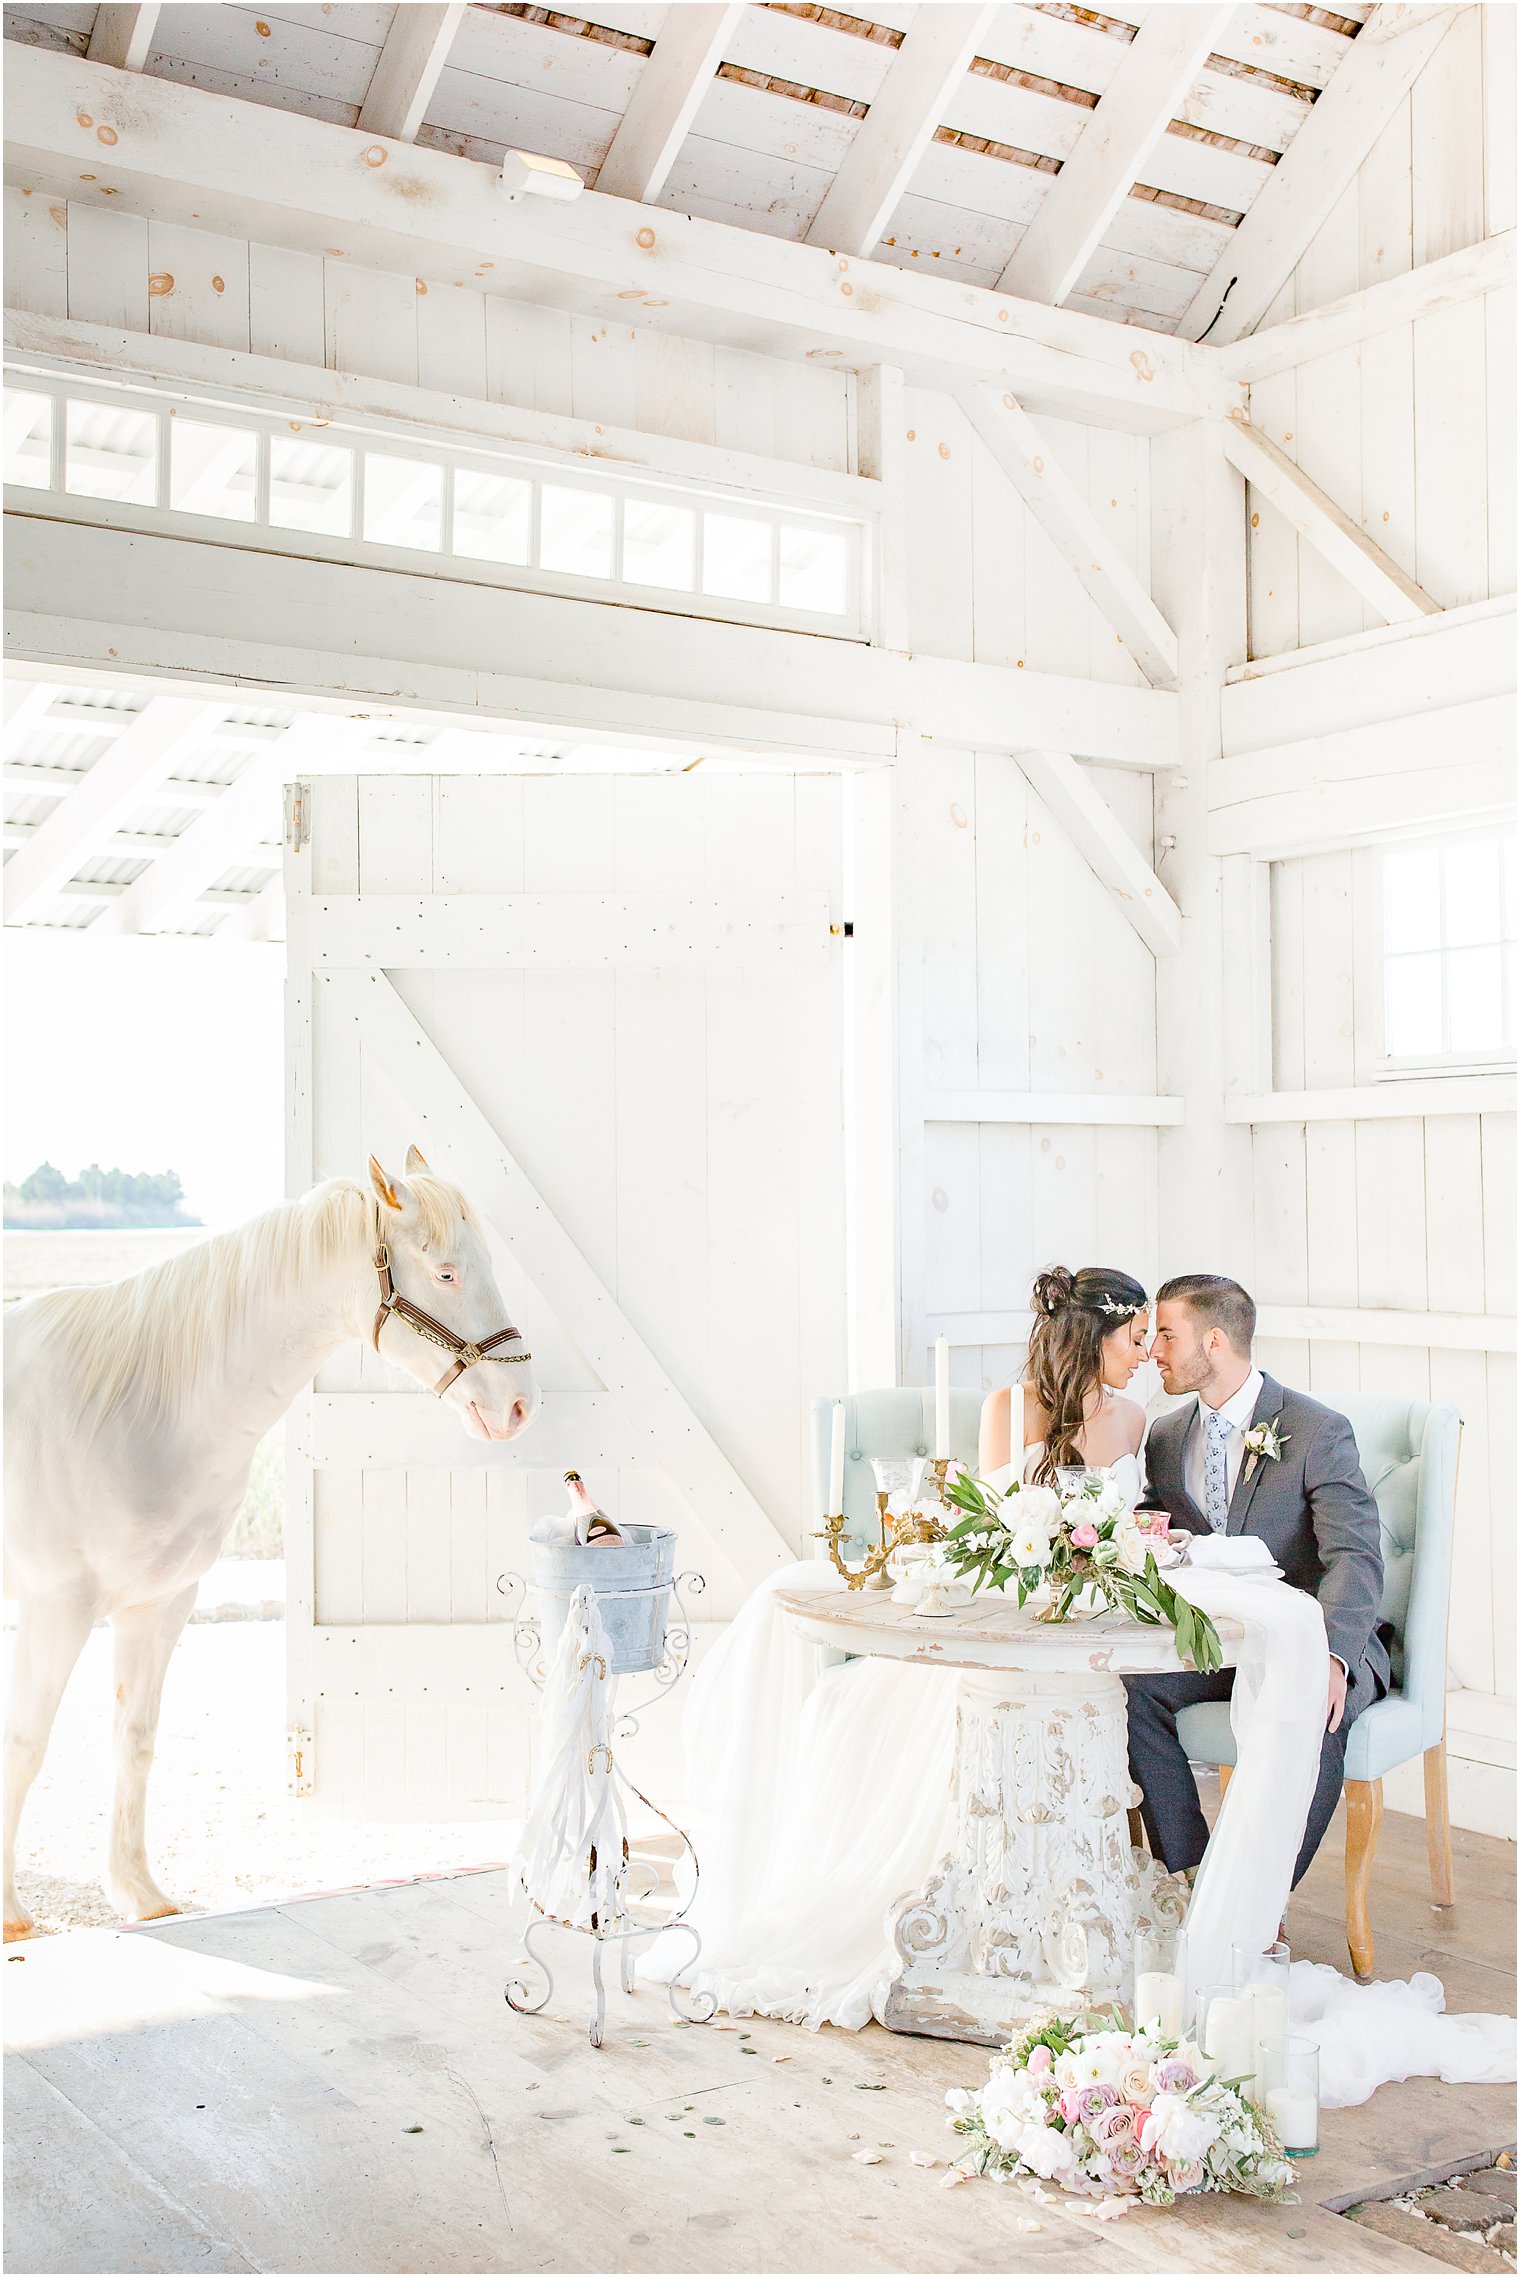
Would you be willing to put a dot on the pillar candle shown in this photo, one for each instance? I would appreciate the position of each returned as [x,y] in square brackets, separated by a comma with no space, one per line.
[1269,2020]
[1231,2042]
[941,1399]
[1158,1999]
[1295,2115]
[836,1463]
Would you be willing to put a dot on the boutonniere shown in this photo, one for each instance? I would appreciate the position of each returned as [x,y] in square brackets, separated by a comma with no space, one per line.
[1265,1440]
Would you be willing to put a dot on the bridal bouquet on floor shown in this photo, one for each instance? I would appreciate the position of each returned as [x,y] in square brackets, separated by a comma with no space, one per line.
[1115,2116]
[1078,1535]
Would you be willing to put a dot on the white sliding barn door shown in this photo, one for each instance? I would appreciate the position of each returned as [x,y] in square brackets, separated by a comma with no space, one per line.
[609,1007]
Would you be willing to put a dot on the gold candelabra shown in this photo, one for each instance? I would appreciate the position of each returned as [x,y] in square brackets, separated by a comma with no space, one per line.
[911,1526]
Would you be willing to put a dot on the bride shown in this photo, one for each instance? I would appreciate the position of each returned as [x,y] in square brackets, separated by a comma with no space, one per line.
[822,1799]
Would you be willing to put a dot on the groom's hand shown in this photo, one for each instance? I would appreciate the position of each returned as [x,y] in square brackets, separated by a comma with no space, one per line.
[1336,1704]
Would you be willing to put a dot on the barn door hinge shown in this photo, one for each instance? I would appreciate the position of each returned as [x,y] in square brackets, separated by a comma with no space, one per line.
[300,1780]
[297,815]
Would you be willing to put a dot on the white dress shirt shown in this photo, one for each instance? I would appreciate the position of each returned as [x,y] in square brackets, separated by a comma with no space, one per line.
[1237,1412]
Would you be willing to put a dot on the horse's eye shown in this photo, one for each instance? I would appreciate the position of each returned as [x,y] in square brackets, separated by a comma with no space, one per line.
[446,1275]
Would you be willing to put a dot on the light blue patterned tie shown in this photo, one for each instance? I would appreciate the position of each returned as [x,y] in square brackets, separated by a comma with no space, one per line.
[1215,1472]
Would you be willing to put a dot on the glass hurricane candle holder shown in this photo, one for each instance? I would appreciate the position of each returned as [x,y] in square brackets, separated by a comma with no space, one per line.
[1261,1979]
[1158,1986]
[1290,2067]
[1224,2032]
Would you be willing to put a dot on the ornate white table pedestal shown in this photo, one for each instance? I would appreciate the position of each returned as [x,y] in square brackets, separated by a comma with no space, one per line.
[1038,1903]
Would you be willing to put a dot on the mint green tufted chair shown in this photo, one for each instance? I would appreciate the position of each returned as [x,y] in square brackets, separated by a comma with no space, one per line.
[1409,1456]
[885,1423]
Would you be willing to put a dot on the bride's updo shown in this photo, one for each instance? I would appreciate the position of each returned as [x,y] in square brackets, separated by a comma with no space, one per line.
[1073,1312]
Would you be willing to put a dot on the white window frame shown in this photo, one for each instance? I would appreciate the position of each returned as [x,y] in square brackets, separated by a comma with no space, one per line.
[1375,1066]
[364,434]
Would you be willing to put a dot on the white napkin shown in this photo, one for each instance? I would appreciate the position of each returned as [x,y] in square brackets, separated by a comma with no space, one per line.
[1231,1553]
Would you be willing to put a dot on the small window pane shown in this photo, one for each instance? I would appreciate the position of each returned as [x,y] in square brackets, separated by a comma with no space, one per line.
[1475,999]
[1473,913]
[659,544]
[403,502]
[815,568]
[493,516]
[111,453]
[1412,1006]
[736,557]
[311,487]
[1412,900]
[575,532]
[28,438]
[211,469]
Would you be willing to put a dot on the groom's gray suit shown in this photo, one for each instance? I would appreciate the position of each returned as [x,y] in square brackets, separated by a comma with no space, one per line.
[1313,1510]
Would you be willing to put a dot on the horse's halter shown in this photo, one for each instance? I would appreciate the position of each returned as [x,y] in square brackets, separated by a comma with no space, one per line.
[465,1355]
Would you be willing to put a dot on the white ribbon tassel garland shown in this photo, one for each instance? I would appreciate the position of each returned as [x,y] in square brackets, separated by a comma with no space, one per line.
[570,1861]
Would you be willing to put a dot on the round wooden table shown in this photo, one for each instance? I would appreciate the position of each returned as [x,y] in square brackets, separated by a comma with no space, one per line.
[1038,1903]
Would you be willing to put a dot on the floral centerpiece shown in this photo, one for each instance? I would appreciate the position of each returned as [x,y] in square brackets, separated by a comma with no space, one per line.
[1077,1535]
[1116,2116]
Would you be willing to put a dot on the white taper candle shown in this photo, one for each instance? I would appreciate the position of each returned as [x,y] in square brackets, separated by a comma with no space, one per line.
[941,1399]
[836,1463]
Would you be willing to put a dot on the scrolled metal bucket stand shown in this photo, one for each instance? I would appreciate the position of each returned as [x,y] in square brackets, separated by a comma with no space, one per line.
[622,1927]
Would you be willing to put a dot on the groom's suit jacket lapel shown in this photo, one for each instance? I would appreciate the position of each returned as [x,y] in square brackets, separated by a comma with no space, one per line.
[1179,1427]
[1268,1406]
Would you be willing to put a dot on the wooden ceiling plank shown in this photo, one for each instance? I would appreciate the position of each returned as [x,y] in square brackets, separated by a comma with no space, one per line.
[1165,58]
[82,822]
[1381,65]
[1066,518]
[415,51]
[669,93]
[1366,568]
[883,157]
[123,36]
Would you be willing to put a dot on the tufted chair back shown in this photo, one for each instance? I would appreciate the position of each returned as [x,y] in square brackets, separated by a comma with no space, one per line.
[1409,1457]
[885,1423]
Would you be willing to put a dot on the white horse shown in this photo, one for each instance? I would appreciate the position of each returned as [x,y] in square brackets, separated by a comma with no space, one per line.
[132,1413]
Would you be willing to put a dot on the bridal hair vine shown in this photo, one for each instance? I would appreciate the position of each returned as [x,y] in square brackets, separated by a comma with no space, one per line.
[1106,1304]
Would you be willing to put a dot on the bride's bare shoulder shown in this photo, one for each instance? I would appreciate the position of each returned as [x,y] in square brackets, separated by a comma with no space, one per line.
[1131,1417]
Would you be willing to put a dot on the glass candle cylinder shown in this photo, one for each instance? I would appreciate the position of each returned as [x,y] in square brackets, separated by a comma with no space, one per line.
[1290,2068]
[1224,2032]
[1158,1986]
[1261,1979]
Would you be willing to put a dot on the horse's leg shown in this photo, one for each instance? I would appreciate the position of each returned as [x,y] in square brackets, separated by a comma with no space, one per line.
[145,1637]
[50,1634]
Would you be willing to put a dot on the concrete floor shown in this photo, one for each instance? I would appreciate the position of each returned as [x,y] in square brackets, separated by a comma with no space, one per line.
[337,2084]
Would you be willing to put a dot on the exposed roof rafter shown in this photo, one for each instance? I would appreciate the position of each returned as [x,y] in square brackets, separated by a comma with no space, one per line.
[123,36]
[415,51]
[1167,54]
[669,93]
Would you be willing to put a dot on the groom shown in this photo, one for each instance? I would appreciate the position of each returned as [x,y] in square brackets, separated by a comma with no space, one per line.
[1247,1457]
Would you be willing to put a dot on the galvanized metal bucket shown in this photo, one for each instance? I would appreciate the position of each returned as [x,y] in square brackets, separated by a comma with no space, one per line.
[631,1581]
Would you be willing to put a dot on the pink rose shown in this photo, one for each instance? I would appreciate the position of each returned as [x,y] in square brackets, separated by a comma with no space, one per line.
[1069,2106]
[1039,2058]
[1115,2124]
[1092,2100]
[1084,1536]
[1174,2076]
[1184,2173]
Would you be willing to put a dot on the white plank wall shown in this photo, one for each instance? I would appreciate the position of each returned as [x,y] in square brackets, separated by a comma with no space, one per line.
[1401,1214]
[1411,432]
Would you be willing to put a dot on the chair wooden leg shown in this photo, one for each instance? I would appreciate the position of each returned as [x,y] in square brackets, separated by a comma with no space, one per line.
[1364,1815]
[1438,1824]
[1136,1831]
[1224,1778]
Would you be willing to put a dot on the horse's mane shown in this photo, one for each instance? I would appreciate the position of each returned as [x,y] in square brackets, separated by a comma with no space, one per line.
[146,1339]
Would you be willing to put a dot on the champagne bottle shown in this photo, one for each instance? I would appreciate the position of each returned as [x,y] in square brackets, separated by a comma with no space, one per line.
[591,1524]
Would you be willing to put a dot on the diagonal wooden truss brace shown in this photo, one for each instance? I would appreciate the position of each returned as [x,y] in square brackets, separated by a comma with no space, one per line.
[1106,846]
[1380,582]
[670,1434]
[1066,518]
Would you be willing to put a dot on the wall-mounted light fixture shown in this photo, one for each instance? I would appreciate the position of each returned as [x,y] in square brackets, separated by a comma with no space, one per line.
[525,174]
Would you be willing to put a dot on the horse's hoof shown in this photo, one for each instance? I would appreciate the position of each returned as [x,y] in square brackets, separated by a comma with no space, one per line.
[21,1926]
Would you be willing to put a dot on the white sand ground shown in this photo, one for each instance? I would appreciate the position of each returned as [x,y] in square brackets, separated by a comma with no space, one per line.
[221,1829]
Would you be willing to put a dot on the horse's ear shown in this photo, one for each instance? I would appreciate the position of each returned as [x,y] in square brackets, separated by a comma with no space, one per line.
[414,1160]
[382,1185]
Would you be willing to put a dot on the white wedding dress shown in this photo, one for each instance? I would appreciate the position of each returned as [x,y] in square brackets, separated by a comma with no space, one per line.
[822,1797]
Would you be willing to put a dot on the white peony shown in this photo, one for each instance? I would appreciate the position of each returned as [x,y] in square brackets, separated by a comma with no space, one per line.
[1030,1547]
[1011,2103]
[1177,2128]
[1036,1506]
[1045,2151]
[1133,1550]
[1112,1499]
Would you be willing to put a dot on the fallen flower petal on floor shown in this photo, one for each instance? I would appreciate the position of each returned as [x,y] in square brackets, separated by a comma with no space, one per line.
[951,2176]
[923,2158]
[866,2158]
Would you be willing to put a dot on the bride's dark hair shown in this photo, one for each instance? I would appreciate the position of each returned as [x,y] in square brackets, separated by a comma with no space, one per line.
[1073,1312]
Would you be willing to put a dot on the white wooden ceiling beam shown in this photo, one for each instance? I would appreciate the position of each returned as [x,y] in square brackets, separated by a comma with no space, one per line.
[1447,283]
[922,80]
[1065,516]
[212,162]
[1333,535]
[668,95]
[162,898]
[27,703]
[1106,846]
[123,37]
[1385,58]
[119,779]
[415,51]
[1144,96]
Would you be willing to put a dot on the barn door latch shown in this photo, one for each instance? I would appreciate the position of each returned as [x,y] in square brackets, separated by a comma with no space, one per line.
[298,1742]
[297,815]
